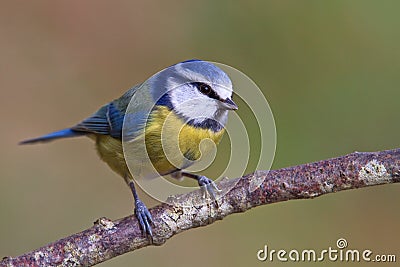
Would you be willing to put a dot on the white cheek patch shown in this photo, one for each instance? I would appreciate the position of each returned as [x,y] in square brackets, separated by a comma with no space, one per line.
[193,105]
[188,101]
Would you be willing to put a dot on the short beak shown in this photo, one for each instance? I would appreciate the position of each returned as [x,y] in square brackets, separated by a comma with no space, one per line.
[229,104]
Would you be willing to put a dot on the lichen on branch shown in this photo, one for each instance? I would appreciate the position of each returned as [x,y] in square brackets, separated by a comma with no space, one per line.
[108,239]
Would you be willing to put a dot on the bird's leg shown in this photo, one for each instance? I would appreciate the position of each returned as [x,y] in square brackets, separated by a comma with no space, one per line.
[141,211]
[206,184]
[177,175]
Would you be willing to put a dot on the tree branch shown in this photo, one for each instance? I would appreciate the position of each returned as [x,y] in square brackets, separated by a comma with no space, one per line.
[108,239]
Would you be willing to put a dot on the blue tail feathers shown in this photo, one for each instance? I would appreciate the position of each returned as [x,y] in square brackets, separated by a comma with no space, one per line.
[52,136]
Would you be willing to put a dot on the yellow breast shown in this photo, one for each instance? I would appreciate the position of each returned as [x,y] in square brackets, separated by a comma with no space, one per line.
[170,143]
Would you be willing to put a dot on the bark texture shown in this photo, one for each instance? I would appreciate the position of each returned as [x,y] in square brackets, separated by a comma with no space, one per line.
[108,239]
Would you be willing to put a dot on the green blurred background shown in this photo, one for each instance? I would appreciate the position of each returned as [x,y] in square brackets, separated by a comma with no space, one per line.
[329,69]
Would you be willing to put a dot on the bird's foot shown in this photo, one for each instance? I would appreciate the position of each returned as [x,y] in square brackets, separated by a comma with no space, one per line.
[144,217]
[208,186]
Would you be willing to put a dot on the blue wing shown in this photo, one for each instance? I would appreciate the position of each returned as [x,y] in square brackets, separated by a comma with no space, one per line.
[108,120]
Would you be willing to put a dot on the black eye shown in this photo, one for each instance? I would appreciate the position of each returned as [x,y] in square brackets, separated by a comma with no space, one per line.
[204,88]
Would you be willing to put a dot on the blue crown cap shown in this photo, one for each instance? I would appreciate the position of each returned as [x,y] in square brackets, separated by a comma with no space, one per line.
[191,60]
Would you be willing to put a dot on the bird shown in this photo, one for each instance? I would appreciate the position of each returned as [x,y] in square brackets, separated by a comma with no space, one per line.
[193,96]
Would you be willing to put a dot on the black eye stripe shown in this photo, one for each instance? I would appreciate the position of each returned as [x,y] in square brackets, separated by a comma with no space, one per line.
[206,90]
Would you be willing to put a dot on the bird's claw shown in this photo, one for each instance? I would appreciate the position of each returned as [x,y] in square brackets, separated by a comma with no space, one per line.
[208,186]
[144,217]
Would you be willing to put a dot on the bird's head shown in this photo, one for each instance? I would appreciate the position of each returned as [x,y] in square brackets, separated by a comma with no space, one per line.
[198,91]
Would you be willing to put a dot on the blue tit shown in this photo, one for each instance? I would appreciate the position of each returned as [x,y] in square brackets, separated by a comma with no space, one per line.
[194,95]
